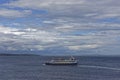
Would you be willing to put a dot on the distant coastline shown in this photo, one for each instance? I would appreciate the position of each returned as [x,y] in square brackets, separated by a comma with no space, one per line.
[4,54]
[29,54]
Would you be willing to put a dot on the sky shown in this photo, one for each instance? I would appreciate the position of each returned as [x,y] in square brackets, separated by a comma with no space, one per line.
[60,27]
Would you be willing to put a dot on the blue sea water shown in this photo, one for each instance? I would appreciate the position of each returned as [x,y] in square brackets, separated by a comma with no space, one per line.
[32,68]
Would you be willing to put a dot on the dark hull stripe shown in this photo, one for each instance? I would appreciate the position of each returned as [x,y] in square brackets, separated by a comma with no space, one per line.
[61,63]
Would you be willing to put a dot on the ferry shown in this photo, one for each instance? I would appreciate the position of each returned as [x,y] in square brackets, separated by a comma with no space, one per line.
[71,61]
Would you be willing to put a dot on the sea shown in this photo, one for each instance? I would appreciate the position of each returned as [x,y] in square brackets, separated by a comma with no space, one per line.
[33,68]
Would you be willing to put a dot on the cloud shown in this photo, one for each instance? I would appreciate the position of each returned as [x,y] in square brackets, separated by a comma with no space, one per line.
[73,25]
[9,13]
[25,39]
[33,39]
[73,8]
[38,4]
[83,47]
[8,30]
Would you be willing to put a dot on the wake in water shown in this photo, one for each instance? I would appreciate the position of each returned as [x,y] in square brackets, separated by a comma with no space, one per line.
[99,67]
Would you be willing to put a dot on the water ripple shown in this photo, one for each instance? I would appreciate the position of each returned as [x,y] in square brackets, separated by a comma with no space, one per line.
[99,67]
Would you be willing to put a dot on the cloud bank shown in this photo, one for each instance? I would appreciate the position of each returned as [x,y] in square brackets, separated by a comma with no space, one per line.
[74,25]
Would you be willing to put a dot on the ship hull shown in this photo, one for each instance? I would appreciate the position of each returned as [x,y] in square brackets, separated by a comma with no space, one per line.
[60,63]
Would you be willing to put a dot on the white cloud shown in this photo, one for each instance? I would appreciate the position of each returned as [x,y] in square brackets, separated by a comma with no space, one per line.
[26,38]
[79,8]
[31,30]
[37,39]
[64,28]
[37,4]
[72,24]
[86,27]
[48,22]
[9,13]
[83,47]
[8,30]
